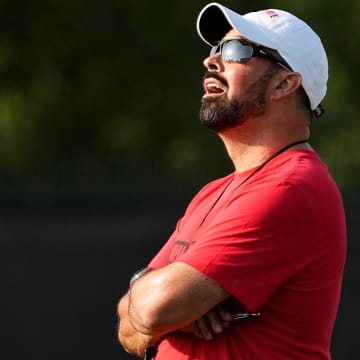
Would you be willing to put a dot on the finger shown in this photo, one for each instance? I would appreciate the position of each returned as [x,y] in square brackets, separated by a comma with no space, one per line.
[204,328]
[215,321]
[192,329]
[196,331]
[223,313]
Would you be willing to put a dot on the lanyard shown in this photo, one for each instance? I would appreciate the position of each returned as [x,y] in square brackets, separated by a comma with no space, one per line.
[252,174]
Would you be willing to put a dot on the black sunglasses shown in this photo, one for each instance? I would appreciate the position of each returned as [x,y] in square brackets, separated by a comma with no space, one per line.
[238,50]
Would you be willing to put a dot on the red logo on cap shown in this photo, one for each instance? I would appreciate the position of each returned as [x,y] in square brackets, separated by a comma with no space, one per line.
[272,13]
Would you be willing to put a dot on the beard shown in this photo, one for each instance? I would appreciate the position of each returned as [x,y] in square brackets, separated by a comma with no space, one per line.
[221,113]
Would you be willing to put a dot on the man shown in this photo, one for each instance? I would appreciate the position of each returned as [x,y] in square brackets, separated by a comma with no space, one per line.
[253,270]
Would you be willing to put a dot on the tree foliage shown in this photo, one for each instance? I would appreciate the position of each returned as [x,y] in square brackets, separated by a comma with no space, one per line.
[103,96]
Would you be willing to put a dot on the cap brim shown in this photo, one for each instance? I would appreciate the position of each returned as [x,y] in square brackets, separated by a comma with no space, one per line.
[215,21]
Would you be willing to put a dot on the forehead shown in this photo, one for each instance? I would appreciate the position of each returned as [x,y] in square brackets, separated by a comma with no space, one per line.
[232,34]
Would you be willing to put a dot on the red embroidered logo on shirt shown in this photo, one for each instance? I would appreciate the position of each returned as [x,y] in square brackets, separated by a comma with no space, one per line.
[179,249]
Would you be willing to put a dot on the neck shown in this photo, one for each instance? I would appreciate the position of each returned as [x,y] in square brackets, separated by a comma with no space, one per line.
[246,154]
[257,139]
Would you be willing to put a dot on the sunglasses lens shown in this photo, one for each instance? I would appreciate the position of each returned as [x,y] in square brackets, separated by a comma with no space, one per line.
[234,50]
[214,50]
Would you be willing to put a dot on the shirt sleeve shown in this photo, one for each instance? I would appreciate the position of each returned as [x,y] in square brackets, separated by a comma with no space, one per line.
[256,243]
[174,247]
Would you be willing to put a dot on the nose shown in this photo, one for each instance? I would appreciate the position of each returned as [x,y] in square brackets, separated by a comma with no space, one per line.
[214,63]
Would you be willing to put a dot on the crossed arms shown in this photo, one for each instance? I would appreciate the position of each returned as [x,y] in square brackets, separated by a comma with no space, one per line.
[174,298]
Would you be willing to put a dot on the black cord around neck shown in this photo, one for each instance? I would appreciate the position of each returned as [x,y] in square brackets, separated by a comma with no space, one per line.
[271,158]
[253,173]
[284,149]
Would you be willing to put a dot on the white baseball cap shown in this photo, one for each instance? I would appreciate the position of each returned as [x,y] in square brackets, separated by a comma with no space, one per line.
[278,30]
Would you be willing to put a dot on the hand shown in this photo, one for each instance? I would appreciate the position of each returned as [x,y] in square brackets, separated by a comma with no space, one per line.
[213,322]
[133,341]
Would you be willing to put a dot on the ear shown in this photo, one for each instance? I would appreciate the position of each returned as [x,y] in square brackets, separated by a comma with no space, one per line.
[285,84]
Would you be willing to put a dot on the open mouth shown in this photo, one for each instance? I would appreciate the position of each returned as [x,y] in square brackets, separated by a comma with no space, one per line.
[213,87]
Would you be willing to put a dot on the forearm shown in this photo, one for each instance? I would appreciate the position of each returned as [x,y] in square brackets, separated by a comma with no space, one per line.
[164,301]
[133,341]
[172,298]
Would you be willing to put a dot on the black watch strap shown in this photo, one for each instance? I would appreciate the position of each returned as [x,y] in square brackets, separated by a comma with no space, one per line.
[151,352]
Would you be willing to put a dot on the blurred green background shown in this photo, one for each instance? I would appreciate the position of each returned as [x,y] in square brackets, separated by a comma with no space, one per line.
[101,97]
[101,148]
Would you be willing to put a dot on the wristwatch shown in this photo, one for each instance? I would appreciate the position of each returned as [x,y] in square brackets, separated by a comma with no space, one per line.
[138,274]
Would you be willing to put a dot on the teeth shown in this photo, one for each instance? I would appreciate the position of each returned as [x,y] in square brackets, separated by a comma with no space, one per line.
[213,88]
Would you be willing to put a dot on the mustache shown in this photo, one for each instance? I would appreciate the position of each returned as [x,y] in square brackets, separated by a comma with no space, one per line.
[216,76]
